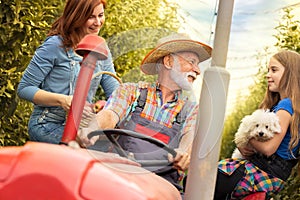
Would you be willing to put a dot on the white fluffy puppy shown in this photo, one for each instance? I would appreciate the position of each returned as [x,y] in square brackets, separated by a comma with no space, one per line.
[260,125]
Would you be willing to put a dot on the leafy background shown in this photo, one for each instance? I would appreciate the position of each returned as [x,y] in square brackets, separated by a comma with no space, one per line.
[131,29]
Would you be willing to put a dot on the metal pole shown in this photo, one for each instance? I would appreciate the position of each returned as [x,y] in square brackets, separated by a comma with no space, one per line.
[92,48]
[212,106]
[88,65]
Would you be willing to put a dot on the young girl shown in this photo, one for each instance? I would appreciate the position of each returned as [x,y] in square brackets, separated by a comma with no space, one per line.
[50,78]
[239,177]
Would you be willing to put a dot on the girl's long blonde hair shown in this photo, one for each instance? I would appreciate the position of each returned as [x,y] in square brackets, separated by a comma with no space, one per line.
[290,86]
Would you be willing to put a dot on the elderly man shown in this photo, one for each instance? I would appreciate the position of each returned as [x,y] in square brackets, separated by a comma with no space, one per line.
[158,109]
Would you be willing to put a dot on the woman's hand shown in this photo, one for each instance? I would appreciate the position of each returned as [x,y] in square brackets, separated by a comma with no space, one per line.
[247,151]
[66,102]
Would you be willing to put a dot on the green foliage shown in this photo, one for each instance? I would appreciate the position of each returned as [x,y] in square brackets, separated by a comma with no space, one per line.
[288,36]
[22,28]
[133,27]
[24,24]
[246,105]
[135,75]
[9,102]
[13,131]
[291,189]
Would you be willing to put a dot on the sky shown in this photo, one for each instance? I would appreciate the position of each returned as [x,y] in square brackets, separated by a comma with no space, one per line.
[252,29]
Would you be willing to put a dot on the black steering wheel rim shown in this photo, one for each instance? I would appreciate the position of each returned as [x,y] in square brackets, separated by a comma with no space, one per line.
[144,163]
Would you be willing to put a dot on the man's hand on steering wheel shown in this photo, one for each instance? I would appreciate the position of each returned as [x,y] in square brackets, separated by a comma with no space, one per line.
[181,161]
[83,133]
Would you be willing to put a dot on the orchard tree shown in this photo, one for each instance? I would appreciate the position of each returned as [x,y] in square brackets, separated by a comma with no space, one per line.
[288,36]
[133,27]
[23,26]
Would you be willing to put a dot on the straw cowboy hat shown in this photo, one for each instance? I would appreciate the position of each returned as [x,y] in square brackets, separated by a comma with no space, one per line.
[171,44]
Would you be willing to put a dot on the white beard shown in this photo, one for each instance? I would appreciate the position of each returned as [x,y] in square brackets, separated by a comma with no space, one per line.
[180,78]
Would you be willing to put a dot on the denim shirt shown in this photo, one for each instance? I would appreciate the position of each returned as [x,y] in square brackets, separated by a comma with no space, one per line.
[56,70]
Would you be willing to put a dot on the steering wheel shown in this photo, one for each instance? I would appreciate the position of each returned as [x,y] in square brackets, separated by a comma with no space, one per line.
[165,164]
[144,163]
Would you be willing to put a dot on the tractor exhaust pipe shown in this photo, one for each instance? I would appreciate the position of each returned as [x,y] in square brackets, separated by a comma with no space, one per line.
[92,48]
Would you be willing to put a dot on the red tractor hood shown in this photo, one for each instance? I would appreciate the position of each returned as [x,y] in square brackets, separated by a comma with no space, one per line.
[48,171]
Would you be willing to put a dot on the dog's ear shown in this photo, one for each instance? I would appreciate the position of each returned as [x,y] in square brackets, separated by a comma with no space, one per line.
[241,136]
[275,124]
[278,127]
[246,123]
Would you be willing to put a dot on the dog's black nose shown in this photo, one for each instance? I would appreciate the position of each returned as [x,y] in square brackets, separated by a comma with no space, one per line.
[261,134]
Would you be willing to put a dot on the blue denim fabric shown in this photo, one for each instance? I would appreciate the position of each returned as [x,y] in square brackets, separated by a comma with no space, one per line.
[55,69]
[47,124]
